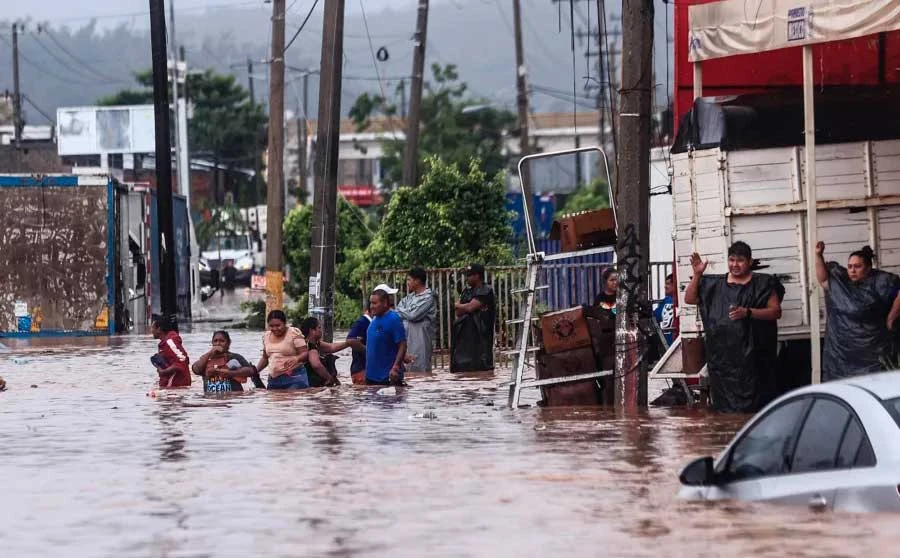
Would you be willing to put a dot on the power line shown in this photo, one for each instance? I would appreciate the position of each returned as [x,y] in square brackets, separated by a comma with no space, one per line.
[41,69]
[146,13]
[302,25]
[86,65]
[39,109]
[377,71]
[68,65]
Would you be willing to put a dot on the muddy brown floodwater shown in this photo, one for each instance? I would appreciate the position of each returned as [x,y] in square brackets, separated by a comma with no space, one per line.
[92,466]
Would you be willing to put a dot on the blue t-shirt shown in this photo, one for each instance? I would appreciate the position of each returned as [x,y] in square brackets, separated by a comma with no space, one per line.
[360,328]
[383,340]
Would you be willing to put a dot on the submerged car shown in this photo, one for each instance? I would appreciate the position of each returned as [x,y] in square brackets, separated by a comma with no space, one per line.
[828,446]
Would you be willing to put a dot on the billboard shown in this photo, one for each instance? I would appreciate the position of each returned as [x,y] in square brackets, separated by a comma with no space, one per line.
[95,130]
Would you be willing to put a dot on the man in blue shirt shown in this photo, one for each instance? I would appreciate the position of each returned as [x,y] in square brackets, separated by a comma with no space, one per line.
[385,343]
[665,311]
[359,330]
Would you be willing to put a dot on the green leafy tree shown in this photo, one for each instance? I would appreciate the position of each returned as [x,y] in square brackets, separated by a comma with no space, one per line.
[454,126]
[453,218]
[226,127]
[587,198]
[353,235]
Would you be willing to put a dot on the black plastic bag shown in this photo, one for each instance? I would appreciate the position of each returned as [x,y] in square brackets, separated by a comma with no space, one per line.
[741,355]
[857,340]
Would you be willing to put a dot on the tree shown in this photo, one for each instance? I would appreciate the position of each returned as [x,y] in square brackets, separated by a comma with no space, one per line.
[455,127]
[587,198]
[450,220]
[226,127]
[353,235]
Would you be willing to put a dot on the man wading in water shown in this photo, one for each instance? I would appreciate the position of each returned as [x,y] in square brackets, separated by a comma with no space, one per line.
[739,312]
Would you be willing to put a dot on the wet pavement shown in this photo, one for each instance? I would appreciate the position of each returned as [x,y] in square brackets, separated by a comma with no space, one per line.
[93,466]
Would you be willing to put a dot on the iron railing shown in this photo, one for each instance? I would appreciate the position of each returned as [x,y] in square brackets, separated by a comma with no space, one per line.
[568,285]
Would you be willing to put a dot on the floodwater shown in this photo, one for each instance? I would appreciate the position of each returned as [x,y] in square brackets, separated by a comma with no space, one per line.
[92,466]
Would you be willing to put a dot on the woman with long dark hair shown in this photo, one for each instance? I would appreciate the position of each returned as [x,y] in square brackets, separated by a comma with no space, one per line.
[285,352]
[861,304]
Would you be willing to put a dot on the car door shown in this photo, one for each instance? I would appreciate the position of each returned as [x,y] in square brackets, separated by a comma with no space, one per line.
[813,474]
[755,461]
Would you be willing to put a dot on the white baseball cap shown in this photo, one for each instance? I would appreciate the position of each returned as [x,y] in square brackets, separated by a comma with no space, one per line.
[385,288]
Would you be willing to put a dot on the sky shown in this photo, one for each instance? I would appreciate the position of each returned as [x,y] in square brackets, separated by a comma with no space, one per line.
[78,12]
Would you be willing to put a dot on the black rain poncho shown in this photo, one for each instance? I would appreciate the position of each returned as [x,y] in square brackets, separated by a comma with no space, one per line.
[741,355]
[473,334]
[857,340]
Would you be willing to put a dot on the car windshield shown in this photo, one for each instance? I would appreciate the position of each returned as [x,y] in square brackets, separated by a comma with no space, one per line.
[228,243]
[893,407]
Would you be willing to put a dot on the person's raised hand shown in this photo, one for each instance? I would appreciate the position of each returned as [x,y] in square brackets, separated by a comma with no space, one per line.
[697,264]
[820,248]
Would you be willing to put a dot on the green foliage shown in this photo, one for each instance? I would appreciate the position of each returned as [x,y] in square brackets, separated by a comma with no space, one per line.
[226,127]
[587,198]
[346,309]
[255,314]
[353,235]
[452,219]
[225,218]
[448,130]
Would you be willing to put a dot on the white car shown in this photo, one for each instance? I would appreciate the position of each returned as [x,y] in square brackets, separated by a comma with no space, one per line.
[828,446]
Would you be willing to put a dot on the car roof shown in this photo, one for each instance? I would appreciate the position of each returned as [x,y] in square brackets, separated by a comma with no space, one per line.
[885,385]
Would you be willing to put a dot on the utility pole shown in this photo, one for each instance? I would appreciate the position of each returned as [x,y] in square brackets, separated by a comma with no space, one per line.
[275,174]
[410,174]
[522,102]
[166,229]
[633,312]
[324,231]
[302,138]
[256,170]
[403,98]
[17,93]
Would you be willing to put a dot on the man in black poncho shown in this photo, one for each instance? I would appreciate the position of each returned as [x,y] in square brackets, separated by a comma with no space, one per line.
[473,329]
[739,312]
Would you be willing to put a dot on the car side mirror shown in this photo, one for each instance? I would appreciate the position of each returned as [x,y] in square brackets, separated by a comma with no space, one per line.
[699,472]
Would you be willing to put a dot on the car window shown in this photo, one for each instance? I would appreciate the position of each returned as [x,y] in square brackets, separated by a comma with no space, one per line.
[820,438]
[865,457]
[893,407]
[765,448]
[850,445]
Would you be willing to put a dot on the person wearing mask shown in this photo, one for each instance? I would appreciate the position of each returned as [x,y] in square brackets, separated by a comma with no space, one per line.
[606,299]
[418,310]
[320,362]
[171,360]
[385,343]
[739,312]
[284,348]
[665,311]
[223,370]
[862,305]
[359,331]
[473,329]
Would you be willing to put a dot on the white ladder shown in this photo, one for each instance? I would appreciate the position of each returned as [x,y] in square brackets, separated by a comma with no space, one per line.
[518,381]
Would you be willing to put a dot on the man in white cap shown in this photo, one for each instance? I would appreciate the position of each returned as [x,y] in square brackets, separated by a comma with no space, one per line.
[385,340]
[389,291]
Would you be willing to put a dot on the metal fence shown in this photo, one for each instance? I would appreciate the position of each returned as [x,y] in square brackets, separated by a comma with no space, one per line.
[568,285]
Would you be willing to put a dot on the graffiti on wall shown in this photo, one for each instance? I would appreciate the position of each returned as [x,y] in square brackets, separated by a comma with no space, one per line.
[53,250]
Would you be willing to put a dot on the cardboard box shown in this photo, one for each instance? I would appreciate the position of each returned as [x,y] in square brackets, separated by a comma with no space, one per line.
[568,363]
[588,229]
[565,330]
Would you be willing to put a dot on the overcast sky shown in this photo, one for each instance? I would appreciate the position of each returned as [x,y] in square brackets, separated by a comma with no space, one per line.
[75,13]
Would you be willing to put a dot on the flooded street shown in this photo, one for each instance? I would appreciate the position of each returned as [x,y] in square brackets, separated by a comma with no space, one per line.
[92,466]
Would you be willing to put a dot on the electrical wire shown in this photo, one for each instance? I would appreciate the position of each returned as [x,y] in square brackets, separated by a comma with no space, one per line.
[390,118]
[302,25]
[81,62]
[66,65]
[49,118]
[41,69]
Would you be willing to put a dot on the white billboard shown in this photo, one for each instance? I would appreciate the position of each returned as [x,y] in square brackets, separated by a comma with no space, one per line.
[95,130]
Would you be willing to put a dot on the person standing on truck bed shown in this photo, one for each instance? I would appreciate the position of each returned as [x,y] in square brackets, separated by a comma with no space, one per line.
[861,307]
[739,312]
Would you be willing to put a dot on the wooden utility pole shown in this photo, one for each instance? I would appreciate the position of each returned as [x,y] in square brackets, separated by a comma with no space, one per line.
[302,136]
[403,98]
[522,102]
[17,93]
[256,169]
[166,228]
[410,166]
[324,231]
[633,312]
[275,168]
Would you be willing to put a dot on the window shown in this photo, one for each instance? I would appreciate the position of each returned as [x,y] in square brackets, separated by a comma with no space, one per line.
[820,437]
[853,438]
[765,448]
[893,407]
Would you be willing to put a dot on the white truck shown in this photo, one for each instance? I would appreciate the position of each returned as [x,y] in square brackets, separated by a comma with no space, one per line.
[757,196]
[235,255]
